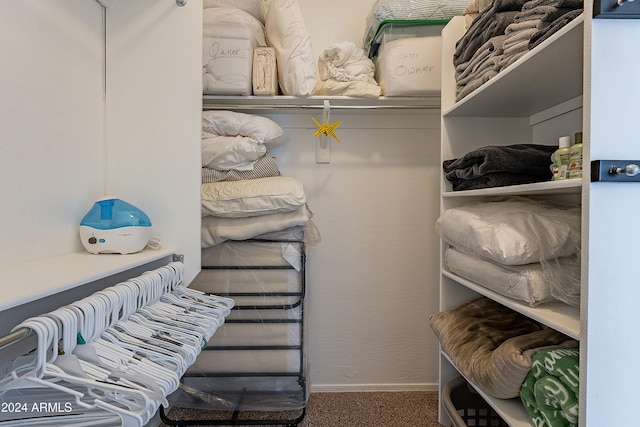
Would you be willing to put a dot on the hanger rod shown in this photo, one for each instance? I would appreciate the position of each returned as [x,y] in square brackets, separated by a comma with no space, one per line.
[14,337]
[316,106]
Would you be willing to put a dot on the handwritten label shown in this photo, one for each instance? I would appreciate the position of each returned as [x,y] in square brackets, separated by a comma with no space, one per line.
[403,70]
[223,50]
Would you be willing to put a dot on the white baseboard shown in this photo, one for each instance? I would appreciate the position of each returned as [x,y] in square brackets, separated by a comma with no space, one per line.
[339,388]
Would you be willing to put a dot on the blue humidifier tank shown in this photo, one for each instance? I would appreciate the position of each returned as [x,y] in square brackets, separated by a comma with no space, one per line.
[113,226]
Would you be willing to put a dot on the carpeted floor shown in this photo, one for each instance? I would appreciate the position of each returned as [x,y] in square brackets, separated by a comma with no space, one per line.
[368,409]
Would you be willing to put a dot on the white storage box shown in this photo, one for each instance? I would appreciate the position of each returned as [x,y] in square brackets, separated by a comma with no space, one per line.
[227,54]
[408,61]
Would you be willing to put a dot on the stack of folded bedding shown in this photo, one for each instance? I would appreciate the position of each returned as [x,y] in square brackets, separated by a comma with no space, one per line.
[243,192]
[520,248]
[502,32]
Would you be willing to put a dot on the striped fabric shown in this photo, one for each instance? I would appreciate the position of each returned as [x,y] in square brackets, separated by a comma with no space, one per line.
[263,167]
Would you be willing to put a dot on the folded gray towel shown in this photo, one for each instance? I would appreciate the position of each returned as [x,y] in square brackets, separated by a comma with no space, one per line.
[487,25]
[547,32]
[519,160]
[492,180]
[491,47]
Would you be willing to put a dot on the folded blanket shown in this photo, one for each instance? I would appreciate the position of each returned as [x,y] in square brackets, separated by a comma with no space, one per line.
[216,230]
[492,345]
[522,162]
[551,389]
[264,167]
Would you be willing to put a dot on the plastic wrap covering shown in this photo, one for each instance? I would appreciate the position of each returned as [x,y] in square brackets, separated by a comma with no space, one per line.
[256,360]
[384,10]
[521,248]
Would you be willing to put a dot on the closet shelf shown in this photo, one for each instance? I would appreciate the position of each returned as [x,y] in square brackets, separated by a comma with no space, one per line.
[215,102]
[567,186]
[29,281]
[557,315]
[546,76]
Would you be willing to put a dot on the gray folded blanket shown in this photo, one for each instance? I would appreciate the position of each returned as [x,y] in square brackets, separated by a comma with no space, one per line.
[495,166]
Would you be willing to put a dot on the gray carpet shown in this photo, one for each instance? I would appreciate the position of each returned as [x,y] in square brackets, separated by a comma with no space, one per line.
[368,409]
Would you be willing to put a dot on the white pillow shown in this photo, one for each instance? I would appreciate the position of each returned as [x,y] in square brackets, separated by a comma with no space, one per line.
[516,231]
[215,230]
[287,33]
[252,197]
[254,7]
[231,152]
[230,123]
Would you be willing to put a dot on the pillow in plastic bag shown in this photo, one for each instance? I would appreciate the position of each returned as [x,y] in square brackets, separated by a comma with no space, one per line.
[287,33]
[230,123]
[515,231]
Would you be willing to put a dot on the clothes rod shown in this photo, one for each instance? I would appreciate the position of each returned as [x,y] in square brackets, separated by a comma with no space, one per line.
[14,337]
[107,3]
[316,107]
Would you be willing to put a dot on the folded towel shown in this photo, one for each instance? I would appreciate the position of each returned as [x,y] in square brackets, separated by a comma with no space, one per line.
[493,180]
[550,390]
[544,13]
[487,25]
[556,25]
[559,4]
[473,9]
[490,48]
[519,159]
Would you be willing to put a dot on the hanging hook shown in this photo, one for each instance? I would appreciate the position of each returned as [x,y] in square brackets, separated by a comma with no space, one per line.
[181,2]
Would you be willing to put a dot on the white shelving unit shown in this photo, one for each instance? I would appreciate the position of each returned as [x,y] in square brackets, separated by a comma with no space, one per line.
[536,100]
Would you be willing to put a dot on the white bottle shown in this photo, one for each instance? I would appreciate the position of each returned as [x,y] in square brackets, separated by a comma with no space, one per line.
[560,159]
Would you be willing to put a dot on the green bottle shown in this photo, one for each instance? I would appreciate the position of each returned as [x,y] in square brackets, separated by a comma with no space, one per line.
[575,157]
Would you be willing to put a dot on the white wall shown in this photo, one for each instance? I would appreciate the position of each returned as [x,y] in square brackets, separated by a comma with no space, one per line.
[51,124]
[373,280]
[154,104]
[80,120]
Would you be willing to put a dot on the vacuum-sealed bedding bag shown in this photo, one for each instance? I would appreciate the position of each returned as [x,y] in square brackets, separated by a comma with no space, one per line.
[512,231]
[521,248]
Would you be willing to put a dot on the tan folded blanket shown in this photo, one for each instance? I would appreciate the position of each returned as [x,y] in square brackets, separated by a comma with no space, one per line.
[493,345]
